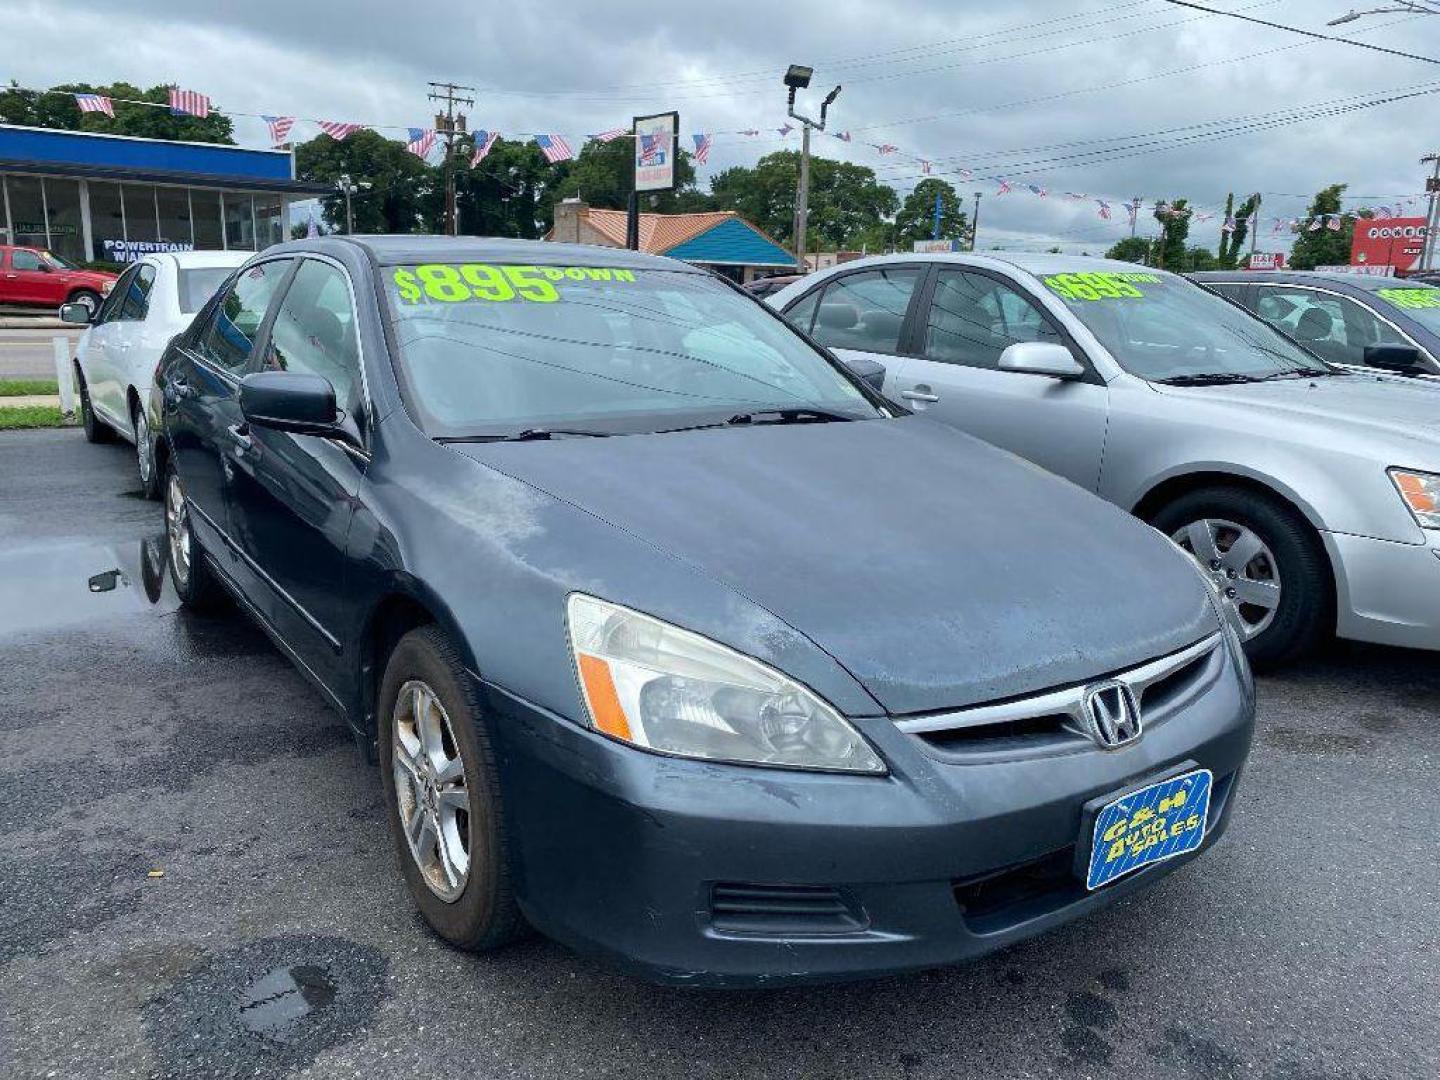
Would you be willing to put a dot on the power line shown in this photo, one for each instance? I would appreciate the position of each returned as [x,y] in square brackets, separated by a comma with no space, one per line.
[1306,33]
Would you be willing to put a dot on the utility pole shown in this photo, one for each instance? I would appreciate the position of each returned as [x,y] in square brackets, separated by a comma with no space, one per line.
[975,221]
[1254,228]
[1432,186]
[1134,215]
[451,125]
[797,77]
[347,186]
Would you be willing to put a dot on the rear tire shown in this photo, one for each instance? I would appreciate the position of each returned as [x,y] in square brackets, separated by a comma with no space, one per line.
[446,786]
[96,430]
[1287,552]
[150,480]
[194,582]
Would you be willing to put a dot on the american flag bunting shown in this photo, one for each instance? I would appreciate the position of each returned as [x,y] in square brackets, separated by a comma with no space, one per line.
[188,103]
[95,103]
[554,147]
[420,141]
[338,130]
[886,148]
[1004,188]
[279,128]
[843,136]
[702,146]
[925,167]
[609,136]
[1104,209]
[784,129]
[484,142]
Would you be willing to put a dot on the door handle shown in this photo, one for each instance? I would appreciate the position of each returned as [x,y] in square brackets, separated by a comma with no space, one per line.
[919,395]
[240,436]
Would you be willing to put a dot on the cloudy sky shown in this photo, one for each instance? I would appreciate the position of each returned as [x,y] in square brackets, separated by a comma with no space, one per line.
[1110,100]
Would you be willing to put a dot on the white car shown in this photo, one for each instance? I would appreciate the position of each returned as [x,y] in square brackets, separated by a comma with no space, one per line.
[116,356]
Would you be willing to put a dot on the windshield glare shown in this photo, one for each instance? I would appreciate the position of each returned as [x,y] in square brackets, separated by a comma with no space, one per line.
[1162,327]
[199,284]
[494,349]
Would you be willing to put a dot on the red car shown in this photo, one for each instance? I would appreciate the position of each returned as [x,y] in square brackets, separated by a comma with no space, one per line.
[34,277]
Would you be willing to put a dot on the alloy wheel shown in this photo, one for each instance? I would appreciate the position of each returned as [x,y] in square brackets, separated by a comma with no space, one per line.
[1241,565]
[142,445]
[177,529]
[431,790]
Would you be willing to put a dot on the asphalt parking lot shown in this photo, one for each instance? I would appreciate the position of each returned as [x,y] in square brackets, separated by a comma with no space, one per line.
[195,880]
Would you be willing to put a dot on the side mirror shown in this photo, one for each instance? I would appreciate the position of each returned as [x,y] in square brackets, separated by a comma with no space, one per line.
[290,401]
[79,314]
[870,372]
[1404,359]
[1041,358]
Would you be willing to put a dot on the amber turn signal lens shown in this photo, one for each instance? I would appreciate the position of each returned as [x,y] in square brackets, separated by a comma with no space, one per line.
[600,696]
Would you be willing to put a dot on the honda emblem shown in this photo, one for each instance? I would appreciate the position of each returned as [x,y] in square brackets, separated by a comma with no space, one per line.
[1111,714]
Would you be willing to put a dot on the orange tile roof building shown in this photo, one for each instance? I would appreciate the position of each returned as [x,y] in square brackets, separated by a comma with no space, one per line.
[720,240]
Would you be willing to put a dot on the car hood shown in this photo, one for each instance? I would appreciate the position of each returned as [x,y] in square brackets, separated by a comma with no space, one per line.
[938,570]
[1390,404]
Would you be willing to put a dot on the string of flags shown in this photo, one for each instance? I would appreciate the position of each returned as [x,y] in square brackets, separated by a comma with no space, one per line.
[557,148]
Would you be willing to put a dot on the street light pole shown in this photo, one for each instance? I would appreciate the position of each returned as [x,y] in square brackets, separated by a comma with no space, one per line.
[975,221]
[797,77]
[348,187]
[1432,186]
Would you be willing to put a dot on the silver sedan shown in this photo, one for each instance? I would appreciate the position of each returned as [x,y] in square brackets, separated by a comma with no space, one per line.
[1308,493]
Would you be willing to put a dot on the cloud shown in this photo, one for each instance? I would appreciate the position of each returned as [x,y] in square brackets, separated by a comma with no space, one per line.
[937,79]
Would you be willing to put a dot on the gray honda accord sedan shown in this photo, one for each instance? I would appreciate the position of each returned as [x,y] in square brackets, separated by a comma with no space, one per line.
[671,636]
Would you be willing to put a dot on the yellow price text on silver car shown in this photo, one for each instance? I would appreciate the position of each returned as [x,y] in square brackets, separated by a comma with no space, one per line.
[1099,285]
[453,283]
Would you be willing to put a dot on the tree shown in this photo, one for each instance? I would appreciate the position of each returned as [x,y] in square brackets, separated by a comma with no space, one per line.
[1232,243]
[395,185]
[510,193]
[57,109]
[847,203]
[604,174]
[1318,244]
[1134,249]
[1200,258]
[916,219]
[1174,219]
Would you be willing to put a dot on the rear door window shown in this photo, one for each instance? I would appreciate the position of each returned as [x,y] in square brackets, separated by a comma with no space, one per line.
[235,321]
[866,311]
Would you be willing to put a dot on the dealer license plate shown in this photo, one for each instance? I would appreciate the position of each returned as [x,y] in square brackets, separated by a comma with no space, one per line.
[1148,826]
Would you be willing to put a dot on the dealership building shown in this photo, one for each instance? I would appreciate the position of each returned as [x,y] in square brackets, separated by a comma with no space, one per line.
[89,196]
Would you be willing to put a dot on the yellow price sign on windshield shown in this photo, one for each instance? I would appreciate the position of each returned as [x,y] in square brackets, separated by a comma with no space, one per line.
[454,283]
[1411,298]
[1099,285]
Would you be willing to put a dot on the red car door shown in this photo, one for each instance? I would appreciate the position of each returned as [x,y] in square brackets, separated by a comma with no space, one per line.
[30,281]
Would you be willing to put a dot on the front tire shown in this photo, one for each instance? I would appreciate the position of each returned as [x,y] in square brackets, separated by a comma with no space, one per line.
[194,582]
[1267,562]
[96,430]
[442,793]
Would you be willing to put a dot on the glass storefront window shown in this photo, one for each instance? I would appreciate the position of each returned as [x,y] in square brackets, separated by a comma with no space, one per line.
[174,204]
[140,212]
[62,202]
[107,222]
[269,221]
[239,224]
[27,210]
[205,205]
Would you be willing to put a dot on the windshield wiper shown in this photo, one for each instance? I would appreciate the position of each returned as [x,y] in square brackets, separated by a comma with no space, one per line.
[525,435]
[802,415]
[1209,378]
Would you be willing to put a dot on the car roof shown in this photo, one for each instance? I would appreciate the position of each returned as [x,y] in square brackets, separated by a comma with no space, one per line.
[1031,262]
[1364,282]
[193,260]
[398,250]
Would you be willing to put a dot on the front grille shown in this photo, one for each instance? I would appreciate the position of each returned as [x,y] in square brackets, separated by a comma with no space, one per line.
[1053,721]
[783,910]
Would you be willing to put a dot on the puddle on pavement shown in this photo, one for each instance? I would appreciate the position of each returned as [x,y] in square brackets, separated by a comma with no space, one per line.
[69,584]
[274,1004]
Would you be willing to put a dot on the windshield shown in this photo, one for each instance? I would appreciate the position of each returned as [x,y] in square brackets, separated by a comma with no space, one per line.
[491,349]
[57,262]
[1166,329]
[199,284]
[1420,302]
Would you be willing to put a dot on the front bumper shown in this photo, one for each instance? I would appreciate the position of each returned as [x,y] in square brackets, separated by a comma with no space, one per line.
[1387,593]
[691,873]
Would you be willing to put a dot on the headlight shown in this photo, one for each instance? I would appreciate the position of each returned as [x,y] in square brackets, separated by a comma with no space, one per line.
[656,686]
[1421,492]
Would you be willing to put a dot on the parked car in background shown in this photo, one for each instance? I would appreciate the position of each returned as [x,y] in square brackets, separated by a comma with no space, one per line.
[671,636]
[1353,319]
[1310,493]
[34,277]
[765,286]
[116,356]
